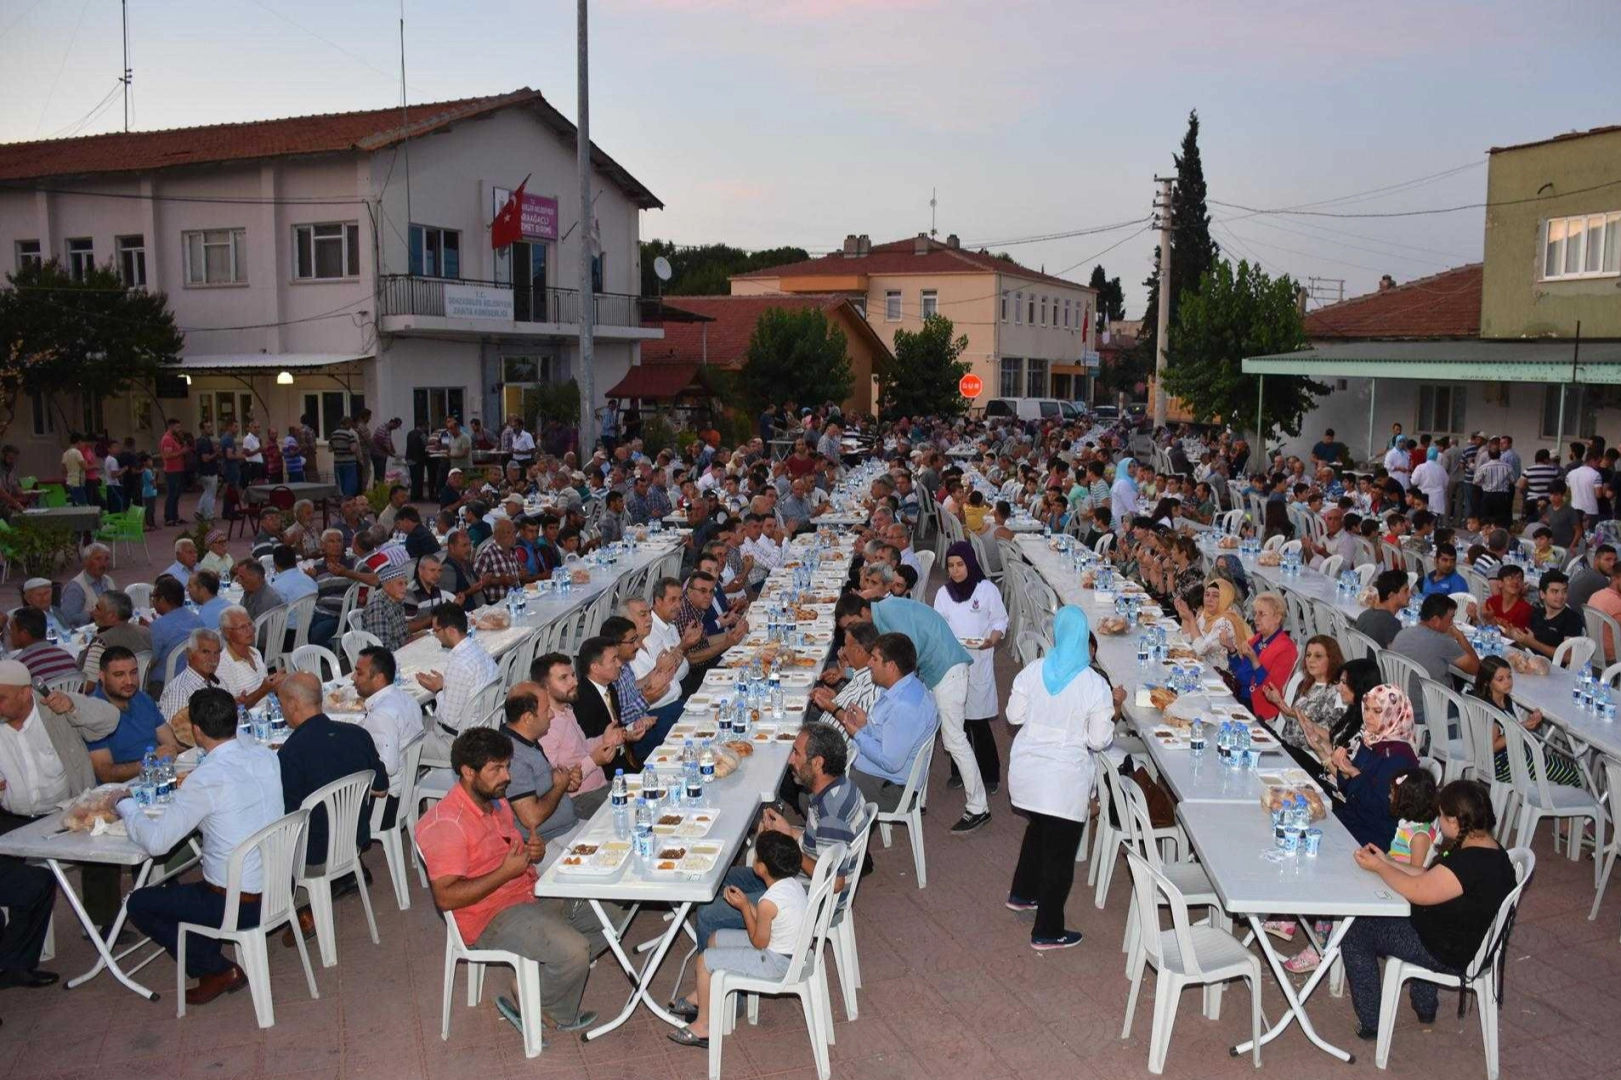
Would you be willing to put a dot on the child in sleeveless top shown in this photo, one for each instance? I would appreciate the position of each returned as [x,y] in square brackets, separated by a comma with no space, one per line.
[1414,805]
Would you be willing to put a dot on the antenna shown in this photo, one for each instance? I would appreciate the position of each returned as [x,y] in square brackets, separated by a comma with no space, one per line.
[405,136]
[123,6]
[932,203]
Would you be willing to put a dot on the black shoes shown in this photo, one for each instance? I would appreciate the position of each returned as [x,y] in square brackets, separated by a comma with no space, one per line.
[970,822]
[34,979]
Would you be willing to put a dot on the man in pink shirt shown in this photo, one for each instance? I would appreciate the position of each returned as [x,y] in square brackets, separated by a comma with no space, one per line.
[564,744]
[483,872]
[173,452]
[1608,600]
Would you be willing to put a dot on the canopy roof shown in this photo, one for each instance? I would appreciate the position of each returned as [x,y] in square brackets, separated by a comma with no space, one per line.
[1451,361]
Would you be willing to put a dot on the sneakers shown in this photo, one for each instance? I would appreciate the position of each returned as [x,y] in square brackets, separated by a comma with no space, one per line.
[970,822]
[1018,903]
[1282,929]
[954,783]
[1306,960]
[993,787]
[1067,940]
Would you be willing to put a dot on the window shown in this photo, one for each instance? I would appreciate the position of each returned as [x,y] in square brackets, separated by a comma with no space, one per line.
[1585,246]
[860,304]
[1061,389]
[931,303]
[132,261]
[431,404]
[44,418]
[1012,376]
[436,252]
[1586,400]
[1018,309]
[1035,378]
[1032,313]
[1066,314]
[28,254]
[1440,409]
[1043,311]
[892,306]
[326,251]
[81,258]
[216,257]
[599,272]
[1004,305]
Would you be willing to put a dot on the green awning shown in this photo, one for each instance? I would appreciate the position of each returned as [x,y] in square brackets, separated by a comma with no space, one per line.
[1451,361]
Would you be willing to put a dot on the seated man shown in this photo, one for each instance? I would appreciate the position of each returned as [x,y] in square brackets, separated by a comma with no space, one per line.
[204,590]
[598,706]
[173,624]
[203,648]
[1380,621]
[1445,577]
[564,744]
[233,793]
[79,595]
[902,722]
[257,595]
[185,560]
[484,875]
[37,593]
[636,715]
[117,757]
[43,660]
[113,617]
[27,893]
[1555,622]
[539,794]
[384,615]
[467,671]
[1435,642]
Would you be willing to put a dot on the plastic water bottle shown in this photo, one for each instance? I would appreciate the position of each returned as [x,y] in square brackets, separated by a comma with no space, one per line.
[1586,684]
[643,835]
[690,774]
[149,765]
[1606,702]
[706,766]
[165,793]
[1280,817]
[1196,739]
[1224,742]
[1242,731]
[278,722]
[1299,822]
[779,703]
[244,723]
[1142,651]
[619,793]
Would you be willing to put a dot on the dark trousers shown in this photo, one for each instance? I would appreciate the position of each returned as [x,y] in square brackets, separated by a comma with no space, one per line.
[1046,869]
[347,474]
[418,476]
[323,628]
[1370,940]
[158,912]
[27,893]
[171,497]
[98,882]
[1496,507]
[665,719]
[983,741]
[379,467]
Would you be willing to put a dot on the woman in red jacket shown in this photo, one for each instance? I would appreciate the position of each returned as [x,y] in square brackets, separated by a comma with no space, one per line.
[1267,659]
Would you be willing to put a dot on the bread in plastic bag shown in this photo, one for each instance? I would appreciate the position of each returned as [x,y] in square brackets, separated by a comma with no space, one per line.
[97,804]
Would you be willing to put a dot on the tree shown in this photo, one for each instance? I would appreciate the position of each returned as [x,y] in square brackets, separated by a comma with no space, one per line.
[1193,252]
[796,355]
[705,270]
[93,336]
[1111,298]
[1237,313]
[922,378]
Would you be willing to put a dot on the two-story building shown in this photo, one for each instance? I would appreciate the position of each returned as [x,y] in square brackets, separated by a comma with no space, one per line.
[322,264]
[1526,343]
[1029,334]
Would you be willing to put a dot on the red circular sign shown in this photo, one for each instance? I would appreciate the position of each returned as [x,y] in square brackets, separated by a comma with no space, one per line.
[970,386]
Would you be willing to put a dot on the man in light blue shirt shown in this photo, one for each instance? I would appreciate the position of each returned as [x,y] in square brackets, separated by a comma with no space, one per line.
[289,580]
[204,591]
[902,723]
[174,622]
[185,560]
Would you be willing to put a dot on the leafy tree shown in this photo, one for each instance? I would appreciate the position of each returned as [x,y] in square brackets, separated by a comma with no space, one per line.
[705,270]
[1111,298]
[796,354]
[1237,313]
[922,378]
[1193,252]
[93,336]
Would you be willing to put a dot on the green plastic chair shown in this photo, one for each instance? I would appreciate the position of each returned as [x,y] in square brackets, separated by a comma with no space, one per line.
[27,482]
[128,528]
[53,495]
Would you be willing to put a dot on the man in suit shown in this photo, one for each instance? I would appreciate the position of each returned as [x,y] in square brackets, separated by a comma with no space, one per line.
[596,707]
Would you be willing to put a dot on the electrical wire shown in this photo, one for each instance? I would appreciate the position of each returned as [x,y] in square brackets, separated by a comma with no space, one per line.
[1423,213]
[393,78]
[67,131]
[66,53]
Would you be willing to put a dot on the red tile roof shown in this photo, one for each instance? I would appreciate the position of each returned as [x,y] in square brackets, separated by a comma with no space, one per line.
[657,382]
[727,340]
[899,257]
[1446,305]
[364,132]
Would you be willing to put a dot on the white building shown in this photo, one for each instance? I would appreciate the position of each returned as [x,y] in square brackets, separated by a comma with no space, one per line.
[311,278]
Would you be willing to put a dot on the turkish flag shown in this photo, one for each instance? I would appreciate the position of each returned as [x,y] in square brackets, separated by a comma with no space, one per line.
[508,226]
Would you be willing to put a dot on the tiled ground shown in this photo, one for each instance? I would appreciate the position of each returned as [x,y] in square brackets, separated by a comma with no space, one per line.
[952,990]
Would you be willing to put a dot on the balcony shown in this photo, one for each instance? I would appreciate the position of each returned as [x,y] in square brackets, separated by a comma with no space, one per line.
[410,303]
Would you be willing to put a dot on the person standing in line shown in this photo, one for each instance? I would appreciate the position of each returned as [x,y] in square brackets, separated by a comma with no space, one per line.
[972,604]
[208,470]
[1064,711]
[345,458]
[363,448]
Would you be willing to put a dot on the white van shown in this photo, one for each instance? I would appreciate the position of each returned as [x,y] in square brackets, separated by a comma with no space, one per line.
[1033,409]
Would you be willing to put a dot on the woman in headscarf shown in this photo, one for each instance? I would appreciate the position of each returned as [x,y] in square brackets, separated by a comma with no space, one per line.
[1218,626]
[1386,745]
[1065,713]
[1123,496]
[1229,568]
[972,605]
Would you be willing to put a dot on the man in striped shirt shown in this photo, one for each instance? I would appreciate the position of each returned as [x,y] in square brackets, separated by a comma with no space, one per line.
[1496,482]
[1466,472]
[1536,483]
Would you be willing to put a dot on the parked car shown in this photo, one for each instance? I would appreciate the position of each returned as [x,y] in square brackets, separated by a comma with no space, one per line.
[1033,409]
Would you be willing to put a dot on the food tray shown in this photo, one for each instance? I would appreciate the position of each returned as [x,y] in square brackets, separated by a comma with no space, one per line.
[693,824]
[696,858]
[593,857]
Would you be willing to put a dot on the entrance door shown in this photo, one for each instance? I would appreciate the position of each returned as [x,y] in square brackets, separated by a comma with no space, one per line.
[529,292]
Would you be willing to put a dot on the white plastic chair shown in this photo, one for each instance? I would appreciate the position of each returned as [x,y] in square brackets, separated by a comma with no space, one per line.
[1332,566]
[1574,653]
[299,614]
[317,660]
[1598,625]
[1538,798]
[841,932]
[1441,702]
[1402,672]
[1605,856]
[1231,521]
[1187,875]
[1274,543]
[344,800]
[270,630]
[1290,545]
[1365,573]
[281,847]
[143,664]
[1468,606]
[1482,977]
[393,846]
[140,594]
[174,663]
[806,977]
[925,561]
[1185,955]
[1031,647]
[355,640]
[1482,720]
[1359,646]
[1104,544]
[909,811]
[1116,838]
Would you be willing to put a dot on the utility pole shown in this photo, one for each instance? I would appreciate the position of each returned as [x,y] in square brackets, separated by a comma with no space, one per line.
[588,296]
[129,75]
[1162,207]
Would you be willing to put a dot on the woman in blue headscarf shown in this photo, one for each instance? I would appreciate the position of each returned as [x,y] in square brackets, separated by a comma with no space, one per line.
[1124,499]
[1064,711]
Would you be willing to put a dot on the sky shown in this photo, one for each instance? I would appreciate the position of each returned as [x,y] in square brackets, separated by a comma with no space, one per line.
[798,121]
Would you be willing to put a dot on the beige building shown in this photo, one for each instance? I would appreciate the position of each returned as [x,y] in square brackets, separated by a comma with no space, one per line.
[1029,334]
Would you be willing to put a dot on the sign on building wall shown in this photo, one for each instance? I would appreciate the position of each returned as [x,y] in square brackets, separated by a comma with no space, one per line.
[537,217]
[477,302]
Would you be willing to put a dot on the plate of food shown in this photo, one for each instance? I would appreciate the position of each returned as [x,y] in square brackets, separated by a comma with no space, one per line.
[686,824]
[684,858]
[972,642]
[589,857]
[492,620]
[797,680]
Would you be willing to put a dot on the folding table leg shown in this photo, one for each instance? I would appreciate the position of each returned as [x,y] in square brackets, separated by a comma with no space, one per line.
[104,954]
[642,979]
[1297,1001]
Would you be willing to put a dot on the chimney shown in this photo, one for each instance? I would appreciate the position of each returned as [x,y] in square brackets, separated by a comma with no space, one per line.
[920,246]
[1386,282]
[1302,294]
[952,242]
[850,245]
[863,244]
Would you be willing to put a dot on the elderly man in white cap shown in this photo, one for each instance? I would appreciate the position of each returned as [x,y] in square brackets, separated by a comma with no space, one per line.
[79,595]
[217,558]
[38,593]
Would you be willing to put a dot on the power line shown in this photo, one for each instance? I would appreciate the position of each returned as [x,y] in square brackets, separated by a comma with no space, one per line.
[300,26]
[1045,237]
[66,53]
[1354,247]
[1423,213]
[1378,192]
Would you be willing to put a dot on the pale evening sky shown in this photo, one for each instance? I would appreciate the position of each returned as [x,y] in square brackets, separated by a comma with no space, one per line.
[798,121]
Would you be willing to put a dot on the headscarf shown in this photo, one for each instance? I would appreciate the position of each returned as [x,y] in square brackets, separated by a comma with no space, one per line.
[1228,568]
[1122,471]
[961,591]
[1434,452]
[1387,716]
[1227,608]
[1071,653]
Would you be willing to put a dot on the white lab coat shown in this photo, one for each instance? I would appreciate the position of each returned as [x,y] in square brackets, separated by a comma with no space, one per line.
[1050,769]
[976,617]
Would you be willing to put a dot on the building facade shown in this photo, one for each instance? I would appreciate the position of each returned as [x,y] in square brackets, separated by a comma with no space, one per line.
[1029,334]
[318,265]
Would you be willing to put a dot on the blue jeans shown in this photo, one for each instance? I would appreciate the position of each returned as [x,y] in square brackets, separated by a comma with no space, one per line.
[718,914]
[78,496]
[172,483]
[158,912]
[322,628]
[348,477]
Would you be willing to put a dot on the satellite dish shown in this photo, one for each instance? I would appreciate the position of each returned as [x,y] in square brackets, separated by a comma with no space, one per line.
[661,268]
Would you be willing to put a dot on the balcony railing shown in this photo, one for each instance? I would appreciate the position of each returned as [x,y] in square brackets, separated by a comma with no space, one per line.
[407,294]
